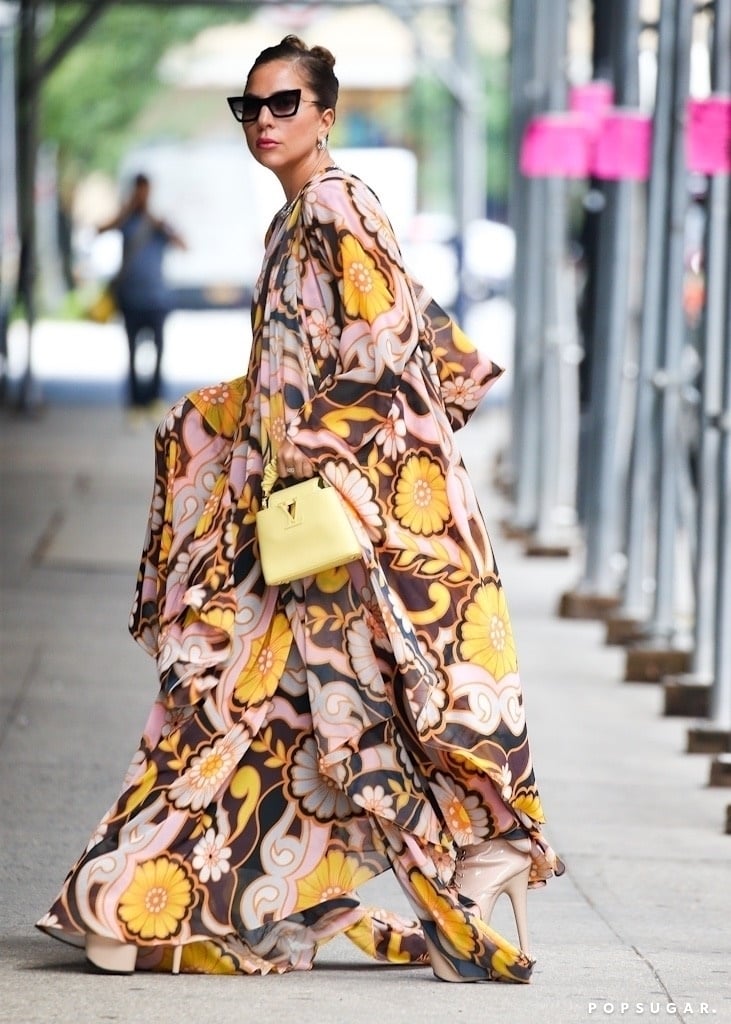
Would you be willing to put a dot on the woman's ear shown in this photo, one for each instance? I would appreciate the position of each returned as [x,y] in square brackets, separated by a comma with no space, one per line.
[327,119]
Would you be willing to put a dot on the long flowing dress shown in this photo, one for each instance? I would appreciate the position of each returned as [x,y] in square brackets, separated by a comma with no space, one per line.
[308,737]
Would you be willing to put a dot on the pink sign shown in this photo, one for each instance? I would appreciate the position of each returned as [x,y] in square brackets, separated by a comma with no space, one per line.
[556,145]
[622,150]
[592,99]
[708,135]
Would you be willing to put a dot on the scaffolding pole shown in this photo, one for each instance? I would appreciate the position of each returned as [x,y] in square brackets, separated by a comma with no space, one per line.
[720,705]
[668,379]
[713,343]
[522,106]
[559,394]
[529,310]
[607,461]
[641,490]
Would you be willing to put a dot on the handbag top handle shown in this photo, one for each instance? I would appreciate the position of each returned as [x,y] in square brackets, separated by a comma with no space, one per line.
[268,479]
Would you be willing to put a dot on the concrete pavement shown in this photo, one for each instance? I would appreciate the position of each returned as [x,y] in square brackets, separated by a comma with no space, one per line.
[638,928]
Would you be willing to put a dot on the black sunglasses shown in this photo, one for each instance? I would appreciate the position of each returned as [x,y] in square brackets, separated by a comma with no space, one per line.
[281,104]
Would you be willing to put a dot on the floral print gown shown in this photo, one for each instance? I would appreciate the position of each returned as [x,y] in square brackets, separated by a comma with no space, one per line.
[308,737]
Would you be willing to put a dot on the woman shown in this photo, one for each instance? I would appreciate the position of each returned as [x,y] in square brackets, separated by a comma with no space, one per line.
[310,736]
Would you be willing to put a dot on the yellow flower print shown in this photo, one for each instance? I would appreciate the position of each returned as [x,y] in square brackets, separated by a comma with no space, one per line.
[464,811]
[487,636]
[209,509]
[448,918]
[171,460]
[202,958]
[220,405]
[365,289]
[530,803]
[506,958]
[209,768]
[158,898]
[142,788]
[334,876]
[263,671]
[278,431]
[457,818]
[362,935]
[420,503]
[332,580]
[276,422]
[172,457]
[220,618]
[166,542]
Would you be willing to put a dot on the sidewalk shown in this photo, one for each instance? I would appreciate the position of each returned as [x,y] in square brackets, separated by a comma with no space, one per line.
[639,927]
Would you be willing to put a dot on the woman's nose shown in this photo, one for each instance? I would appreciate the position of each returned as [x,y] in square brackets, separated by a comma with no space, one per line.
[265,116]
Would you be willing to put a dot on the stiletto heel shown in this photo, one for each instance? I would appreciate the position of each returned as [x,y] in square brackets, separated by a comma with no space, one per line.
[110,956]
[177,957]
[493,868]
[518,894]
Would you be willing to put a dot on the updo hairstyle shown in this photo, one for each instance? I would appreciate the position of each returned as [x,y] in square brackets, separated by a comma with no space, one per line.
[317,63]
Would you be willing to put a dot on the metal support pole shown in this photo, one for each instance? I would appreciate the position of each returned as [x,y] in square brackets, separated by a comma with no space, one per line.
[559,388]
[668,380]
[522,103]
[641,504]
[470,148]
[8,192]
[720,709]
[608,462]
[529,303]
[720,706]
[603,32]
[713,341]
[27,136]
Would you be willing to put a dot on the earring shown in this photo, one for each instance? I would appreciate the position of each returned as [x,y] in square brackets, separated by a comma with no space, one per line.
[321,144]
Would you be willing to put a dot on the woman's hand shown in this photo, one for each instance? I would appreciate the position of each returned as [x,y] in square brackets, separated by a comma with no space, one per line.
[292,463]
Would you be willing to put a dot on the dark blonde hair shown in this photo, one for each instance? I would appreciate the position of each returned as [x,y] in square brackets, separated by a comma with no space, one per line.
[317,64]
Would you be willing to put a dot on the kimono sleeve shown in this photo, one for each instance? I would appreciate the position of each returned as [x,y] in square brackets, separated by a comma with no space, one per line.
[387,327]
[465,373]
[353,269]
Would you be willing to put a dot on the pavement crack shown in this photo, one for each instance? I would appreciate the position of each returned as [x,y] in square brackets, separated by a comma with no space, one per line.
[629,945]
[16,704]
[81,485]
[653,971]
[46,538]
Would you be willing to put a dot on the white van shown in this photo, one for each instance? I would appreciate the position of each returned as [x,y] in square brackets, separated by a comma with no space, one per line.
[221,202]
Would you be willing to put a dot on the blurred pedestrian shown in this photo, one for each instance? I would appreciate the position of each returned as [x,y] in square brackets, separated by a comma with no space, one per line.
[312,735]
[139,287]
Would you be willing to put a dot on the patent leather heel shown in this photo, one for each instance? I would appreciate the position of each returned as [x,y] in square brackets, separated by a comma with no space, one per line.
[110,956]
[442,968]
[517,892]
[493,868]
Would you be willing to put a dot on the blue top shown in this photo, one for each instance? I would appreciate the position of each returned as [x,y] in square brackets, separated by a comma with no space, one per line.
[140,283]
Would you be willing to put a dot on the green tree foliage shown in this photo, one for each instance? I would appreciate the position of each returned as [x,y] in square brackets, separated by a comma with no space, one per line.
[432,124]
[496,71]
[92,98]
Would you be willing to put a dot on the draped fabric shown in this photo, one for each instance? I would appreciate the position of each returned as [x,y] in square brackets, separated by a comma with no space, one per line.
[310,736]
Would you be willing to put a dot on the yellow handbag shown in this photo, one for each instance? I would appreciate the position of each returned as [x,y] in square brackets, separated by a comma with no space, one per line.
[103,308]
[302,530]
